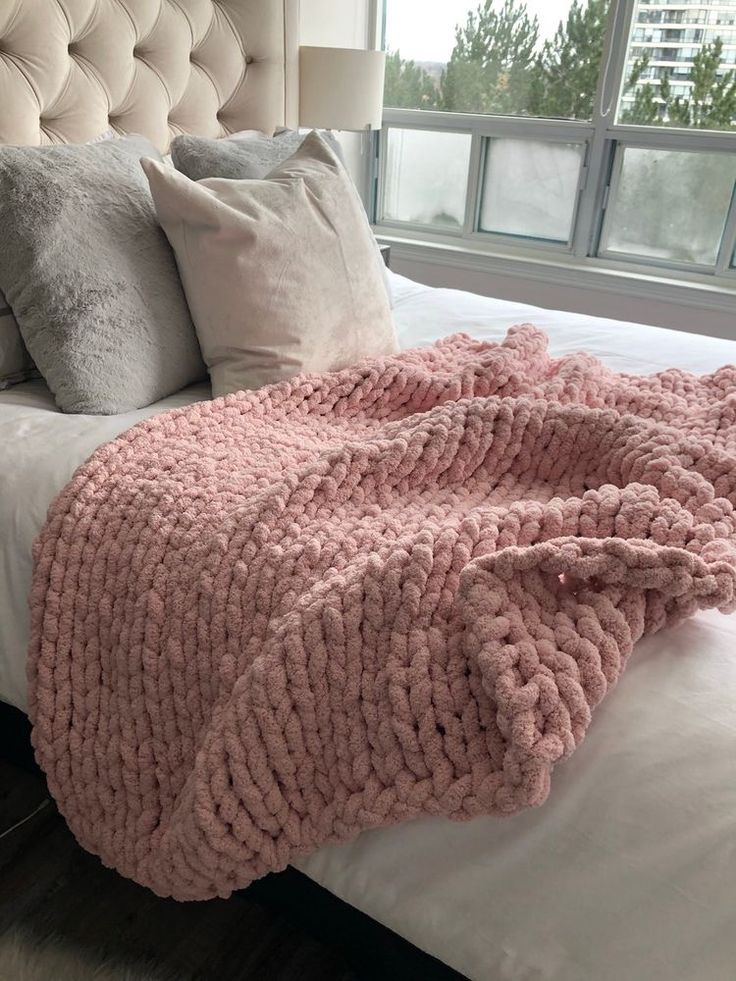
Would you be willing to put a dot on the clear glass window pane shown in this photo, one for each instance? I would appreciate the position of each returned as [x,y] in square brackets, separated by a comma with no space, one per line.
[530,188]
[670,205]
[509,57]
[425,177]
[680,65]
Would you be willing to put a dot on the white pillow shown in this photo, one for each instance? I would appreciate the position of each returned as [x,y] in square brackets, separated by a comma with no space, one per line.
[282,274]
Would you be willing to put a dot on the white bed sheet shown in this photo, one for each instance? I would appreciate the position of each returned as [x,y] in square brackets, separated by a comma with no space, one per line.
[627,873]
[40,448]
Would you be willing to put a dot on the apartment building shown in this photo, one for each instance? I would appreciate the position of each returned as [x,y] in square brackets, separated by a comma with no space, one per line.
[672,32]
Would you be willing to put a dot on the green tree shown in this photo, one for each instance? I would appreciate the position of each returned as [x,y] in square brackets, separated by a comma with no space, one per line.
[408,85]
[712,100]
[490,67]
[565,75]
[646,107]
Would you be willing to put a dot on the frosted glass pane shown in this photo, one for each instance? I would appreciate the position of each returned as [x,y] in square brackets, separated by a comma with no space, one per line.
[671,205]
[426,177]
[530,188]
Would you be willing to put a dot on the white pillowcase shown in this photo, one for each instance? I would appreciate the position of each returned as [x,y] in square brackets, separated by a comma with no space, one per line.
[282,275]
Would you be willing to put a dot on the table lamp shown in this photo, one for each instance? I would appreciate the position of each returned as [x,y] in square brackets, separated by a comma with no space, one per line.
[341,88]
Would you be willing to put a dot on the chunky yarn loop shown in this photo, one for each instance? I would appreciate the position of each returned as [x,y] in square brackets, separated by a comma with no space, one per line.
[271,621]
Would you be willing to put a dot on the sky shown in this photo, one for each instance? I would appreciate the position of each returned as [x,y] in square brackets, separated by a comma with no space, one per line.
[424,30]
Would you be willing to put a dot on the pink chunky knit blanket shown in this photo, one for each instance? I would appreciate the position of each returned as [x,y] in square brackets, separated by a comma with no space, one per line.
[271,621]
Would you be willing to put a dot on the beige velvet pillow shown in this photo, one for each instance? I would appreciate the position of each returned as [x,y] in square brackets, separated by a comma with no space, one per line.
[282,274]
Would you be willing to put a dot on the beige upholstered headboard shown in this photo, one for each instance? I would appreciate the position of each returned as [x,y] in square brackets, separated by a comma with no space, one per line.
[71,69]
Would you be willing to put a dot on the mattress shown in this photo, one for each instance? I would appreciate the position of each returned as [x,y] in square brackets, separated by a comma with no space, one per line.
[627,872]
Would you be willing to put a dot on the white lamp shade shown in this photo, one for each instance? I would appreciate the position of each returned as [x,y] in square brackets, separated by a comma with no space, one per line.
[341,88]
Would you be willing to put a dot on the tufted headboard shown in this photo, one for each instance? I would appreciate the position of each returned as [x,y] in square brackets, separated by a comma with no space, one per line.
[71,69]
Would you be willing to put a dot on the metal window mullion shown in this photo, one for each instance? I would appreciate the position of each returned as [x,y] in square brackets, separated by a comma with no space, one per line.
[381,175]
[525,127]
[600,149]
[640,262]
[376,23]
[509,239]
[591,195]
[610,194]
[583,178]
[725,261]
[666,138]
[473,191]
[416,227]
[511,126]
[374,175]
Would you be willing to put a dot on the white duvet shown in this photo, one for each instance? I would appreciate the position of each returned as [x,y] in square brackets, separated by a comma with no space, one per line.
[628,872]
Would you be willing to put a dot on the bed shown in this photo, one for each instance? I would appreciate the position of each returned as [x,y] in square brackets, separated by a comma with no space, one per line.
[626,872]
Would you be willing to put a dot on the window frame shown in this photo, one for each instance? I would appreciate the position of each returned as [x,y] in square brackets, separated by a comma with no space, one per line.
[605,140]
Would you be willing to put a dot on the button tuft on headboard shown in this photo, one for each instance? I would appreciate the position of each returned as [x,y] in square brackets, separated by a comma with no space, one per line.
[194,50]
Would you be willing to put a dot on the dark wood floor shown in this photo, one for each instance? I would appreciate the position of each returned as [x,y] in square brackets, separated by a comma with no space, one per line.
[50,886]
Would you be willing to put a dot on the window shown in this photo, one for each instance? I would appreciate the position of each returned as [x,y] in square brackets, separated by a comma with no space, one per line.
[645,216]
[601,129]
[507,57]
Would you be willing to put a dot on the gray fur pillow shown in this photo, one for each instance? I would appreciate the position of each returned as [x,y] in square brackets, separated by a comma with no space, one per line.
[243,156]
[91,278]
[15,362]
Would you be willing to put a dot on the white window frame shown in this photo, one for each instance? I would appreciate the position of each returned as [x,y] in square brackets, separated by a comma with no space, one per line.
[605,140]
